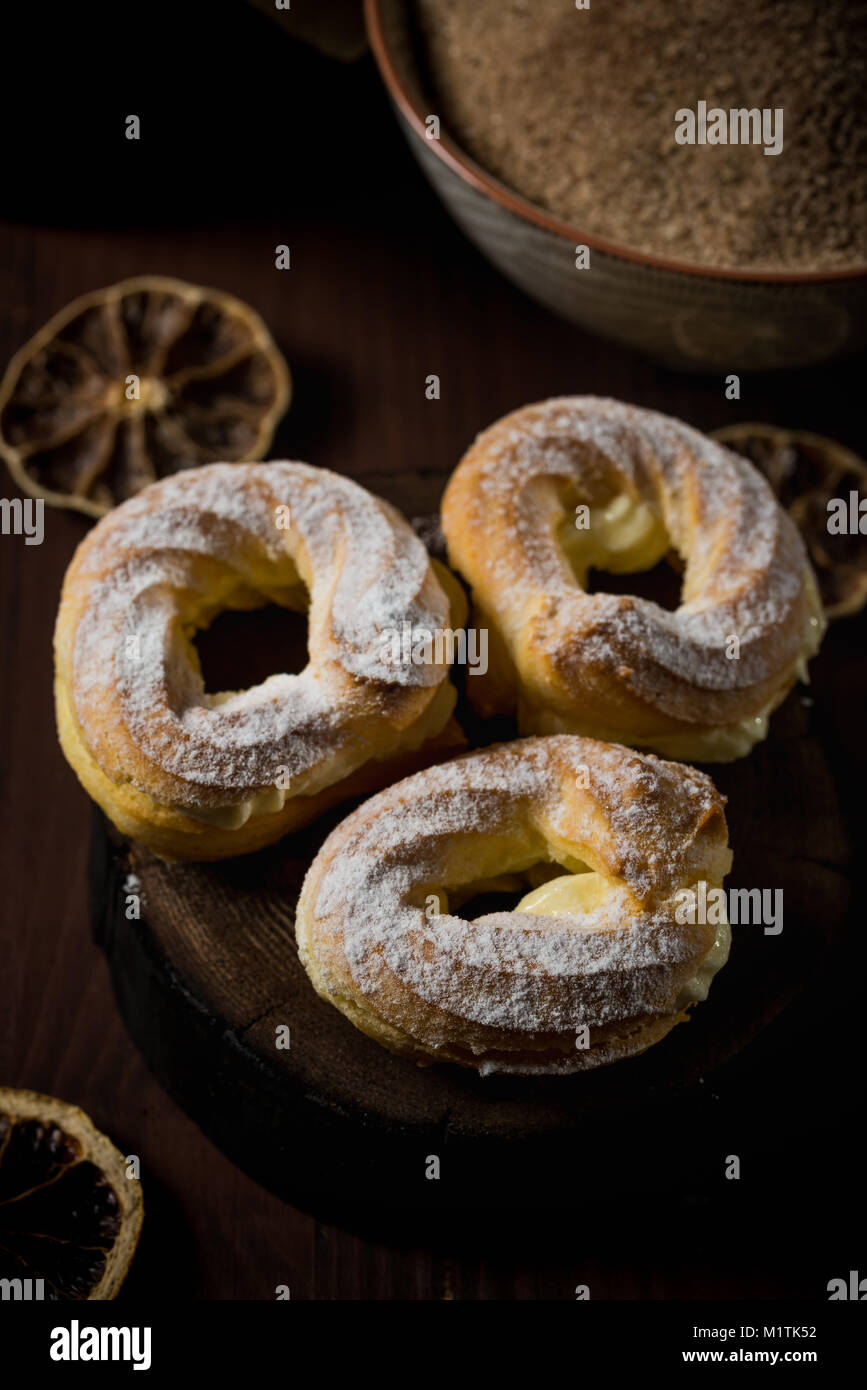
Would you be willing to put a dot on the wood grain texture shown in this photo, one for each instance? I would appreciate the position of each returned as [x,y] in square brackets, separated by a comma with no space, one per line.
[383,291]
[212,965]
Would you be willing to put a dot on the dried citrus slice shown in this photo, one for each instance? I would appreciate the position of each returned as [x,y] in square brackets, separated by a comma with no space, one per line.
[806,470]
[132,382]
[69,1216]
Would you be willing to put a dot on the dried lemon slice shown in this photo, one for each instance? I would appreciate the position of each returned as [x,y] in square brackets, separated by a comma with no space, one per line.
[806,470]
[69,1216]
[129,383]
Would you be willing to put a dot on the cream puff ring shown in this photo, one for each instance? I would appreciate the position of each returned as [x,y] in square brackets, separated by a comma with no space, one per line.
[198,775]
[555,490]
[599,958]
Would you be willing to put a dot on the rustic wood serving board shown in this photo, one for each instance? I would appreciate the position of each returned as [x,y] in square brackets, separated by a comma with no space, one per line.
[209,973]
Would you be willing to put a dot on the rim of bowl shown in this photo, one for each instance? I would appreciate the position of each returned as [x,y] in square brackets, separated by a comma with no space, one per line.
[451,155]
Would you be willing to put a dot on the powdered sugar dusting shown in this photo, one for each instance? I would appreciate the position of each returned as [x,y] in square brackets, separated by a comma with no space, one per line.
[184,545]
[637,820]
[745,561]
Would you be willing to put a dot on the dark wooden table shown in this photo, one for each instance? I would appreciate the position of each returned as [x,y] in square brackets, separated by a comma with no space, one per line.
[270,144]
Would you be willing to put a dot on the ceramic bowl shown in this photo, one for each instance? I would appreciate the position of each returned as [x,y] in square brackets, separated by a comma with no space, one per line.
[686,316]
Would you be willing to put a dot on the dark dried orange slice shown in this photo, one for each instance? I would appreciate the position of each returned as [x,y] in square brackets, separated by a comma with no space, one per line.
[132,382]
[69,1216]
[806,470]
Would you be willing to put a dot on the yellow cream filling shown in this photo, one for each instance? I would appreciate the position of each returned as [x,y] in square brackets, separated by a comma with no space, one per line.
[621,537]
[577,893]
[569,893]
[714,745]
[624,537]
[696,989]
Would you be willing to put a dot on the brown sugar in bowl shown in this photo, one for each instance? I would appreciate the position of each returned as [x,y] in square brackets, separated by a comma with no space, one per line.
[684,315]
